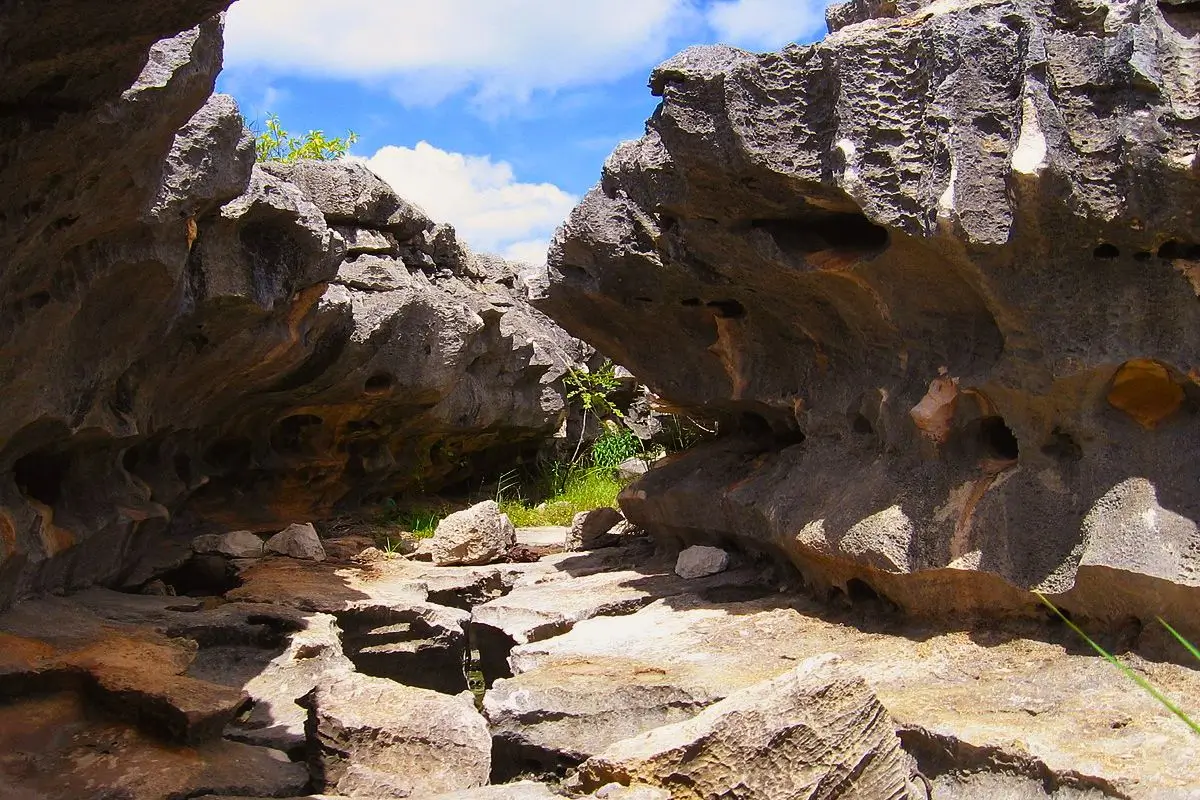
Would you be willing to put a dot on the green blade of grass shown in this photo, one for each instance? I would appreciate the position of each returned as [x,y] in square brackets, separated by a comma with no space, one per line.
[1190,647]
[1129,673]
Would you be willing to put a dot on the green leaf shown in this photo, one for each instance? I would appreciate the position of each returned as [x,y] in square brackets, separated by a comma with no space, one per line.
[1190,647]
[1129,673]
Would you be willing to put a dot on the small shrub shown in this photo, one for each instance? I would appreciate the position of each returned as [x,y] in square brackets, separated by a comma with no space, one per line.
[616,444]
[276,144]
[419,522]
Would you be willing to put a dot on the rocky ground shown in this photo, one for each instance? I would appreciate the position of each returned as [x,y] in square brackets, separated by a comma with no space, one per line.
[344,670]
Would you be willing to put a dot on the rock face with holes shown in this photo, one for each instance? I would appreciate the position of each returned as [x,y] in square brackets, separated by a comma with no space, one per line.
[939,274]
[190,343]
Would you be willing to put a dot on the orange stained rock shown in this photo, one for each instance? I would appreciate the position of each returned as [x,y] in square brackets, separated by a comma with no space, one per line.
[934,415]
[1144,389]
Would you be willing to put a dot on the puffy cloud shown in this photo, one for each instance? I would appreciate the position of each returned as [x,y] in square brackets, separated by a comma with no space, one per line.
[767,24]
[489,208]
[503,49]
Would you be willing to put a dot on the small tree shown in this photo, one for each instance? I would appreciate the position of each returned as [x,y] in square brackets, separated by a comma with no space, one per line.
[276,144]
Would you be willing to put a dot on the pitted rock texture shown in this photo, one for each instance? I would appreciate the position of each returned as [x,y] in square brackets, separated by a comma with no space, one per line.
[940,273]
[190,343]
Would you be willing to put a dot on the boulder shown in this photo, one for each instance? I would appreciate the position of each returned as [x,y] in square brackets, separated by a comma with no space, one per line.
[348,192]
[371,737]
[298,540]
[877,261]
[698,561]
[237,544]
[816,730]
[590,529]
[481,534]
[632,468]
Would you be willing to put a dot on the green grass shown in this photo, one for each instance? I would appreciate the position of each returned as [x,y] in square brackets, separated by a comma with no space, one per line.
[579,490]
[1149,688]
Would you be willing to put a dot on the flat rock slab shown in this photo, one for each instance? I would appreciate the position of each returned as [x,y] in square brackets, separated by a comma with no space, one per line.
[51,749]
[543,536]
[999,696]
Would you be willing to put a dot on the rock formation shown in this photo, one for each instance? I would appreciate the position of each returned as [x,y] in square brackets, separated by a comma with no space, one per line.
[940,275]
[189,338]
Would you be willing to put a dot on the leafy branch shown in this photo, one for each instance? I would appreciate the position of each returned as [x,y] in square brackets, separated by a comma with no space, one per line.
[276,144]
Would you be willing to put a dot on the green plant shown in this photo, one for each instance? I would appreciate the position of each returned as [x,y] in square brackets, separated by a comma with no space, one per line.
[615,445]
[276,144]
[594,389]
[1150,688]
[566,490]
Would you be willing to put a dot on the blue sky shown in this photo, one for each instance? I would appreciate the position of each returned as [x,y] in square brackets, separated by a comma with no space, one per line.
[494,115]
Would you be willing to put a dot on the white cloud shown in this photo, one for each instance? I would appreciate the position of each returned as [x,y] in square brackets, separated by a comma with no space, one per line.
[503,50]
[767,24]
[489,208]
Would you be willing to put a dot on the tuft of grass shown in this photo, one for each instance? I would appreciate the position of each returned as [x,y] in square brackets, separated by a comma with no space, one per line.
[1150,688]
[581,490]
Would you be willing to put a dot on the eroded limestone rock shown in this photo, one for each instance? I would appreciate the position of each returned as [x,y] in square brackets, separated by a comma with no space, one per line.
[371,737]
[478,535]
[814,731]
[936,275]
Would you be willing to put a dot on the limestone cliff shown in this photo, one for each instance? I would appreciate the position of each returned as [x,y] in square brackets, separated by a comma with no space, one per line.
[189,338]
[941,273]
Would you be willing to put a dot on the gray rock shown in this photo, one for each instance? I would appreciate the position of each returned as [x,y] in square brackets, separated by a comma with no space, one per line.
[208,165]
[298,540]
[815,729]
[367,240]
[370,737]
[590,529]
[877,260]
[236,544]
[348,192]
[632,468]
[480,534]
[699,560]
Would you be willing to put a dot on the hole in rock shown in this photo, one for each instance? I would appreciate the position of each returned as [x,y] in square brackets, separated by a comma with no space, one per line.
[997,439]
[727,309]
[229,454]
[691,302]
[130,459]
[39,299]
[1174,249]
[379,382]
[1106,251]
[183,467]
[862,425]
[203,576]
[825,231]
[289,433]
[1062,445]
[41,475]
[860,591]
[644,299]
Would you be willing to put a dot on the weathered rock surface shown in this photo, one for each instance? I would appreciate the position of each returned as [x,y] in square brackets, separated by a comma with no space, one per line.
[940,272]
[188,339]
[477,535]
[371,737]
[990,707]
[816,731]
[236,544]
